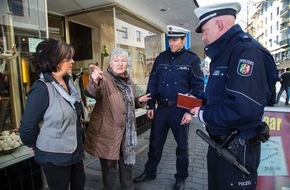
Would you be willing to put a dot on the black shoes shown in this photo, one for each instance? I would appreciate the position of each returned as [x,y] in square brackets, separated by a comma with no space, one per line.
[179,185]
[144,177]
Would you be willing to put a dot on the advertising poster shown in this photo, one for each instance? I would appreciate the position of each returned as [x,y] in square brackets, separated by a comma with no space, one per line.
[274,168]
[153,43]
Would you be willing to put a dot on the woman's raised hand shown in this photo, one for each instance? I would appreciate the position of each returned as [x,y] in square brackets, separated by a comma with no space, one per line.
[97,73]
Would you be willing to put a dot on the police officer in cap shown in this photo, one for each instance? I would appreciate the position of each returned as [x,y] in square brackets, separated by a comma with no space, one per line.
[242,77]
[176,70]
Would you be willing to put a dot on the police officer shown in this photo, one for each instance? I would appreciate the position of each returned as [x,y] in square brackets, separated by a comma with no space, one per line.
[175,70]
[242,77]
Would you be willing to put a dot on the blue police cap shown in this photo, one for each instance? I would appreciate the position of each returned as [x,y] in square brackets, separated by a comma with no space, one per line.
[208,12]
[175,31]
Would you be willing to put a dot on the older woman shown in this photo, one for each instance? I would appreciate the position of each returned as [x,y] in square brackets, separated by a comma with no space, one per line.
[52,120]
[111,134]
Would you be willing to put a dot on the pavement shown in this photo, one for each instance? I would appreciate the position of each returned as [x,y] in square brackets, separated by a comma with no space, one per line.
[197,179]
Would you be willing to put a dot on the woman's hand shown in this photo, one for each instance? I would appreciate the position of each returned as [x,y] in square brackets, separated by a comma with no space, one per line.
[145,98]
[97,73]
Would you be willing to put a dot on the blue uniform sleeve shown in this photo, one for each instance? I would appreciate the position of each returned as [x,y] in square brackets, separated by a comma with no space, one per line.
[246,90]
[37,103]
[152,86]
[196,79]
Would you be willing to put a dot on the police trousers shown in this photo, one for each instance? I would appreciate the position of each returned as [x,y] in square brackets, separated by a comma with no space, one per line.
[222,175]
[165,118]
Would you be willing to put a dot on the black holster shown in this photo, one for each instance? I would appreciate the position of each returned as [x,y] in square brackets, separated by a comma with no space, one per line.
[264,133]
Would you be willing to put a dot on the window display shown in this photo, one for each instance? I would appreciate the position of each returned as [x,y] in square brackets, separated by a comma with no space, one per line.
[19,34]
[6,119]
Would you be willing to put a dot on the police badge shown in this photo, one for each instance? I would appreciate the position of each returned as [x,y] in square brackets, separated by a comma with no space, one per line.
[245,67]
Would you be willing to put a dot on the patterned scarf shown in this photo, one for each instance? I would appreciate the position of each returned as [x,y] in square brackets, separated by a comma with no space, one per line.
[123,83]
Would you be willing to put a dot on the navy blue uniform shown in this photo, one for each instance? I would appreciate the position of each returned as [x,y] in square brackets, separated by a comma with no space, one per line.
[242,77]
[172,73]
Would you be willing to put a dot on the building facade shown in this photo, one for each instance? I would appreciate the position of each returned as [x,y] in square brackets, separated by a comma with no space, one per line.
[93,33]
[270,26]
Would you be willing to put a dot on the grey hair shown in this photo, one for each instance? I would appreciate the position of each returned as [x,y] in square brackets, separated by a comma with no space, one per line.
[118,52]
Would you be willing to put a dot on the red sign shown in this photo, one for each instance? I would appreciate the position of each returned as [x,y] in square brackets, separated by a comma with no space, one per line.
[274,168]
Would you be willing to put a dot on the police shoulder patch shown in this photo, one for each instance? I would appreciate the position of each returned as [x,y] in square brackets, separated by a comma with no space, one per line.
[245,67]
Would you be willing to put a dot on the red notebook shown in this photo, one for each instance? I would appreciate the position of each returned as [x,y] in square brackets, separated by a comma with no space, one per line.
[188,102]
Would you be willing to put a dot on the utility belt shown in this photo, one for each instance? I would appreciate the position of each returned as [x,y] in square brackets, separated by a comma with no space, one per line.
[252,143]
[220,139]
[166,103]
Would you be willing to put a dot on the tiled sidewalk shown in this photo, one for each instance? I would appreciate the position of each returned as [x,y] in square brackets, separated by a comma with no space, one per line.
[197,179]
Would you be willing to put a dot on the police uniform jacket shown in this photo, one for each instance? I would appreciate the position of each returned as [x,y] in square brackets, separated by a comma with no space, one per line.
[242,76]
[174,73]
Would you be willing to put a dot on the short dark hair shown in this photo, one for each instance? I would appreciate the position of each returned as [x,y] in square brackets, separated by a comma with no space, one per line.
[50,52]
[287,69]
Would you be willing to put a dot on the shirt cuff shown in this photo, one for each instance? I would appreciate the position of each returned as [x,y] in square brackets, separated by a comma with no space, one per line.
[200,115]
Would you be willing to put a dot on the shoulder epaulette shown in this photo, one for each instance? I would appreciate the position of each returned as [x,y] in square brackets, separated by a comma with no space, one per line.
[245,38]
[191,52]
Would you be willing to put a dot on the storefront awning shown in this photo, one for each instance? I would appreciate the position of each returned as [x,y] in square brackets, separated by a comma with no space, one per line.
[277,51]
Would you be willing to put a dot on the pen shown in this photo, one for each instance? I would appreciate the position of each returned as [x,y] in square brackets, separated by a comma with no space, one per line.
[190,92]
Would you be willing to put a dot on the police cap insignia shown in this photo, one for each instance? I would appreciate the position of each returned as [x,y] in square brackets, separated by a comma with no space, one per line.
[245,67]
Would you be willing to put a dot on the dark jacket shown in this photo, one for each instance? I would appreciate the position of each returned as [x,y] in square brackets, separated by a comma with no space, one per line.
[285,79]
[242,77]
[174,73]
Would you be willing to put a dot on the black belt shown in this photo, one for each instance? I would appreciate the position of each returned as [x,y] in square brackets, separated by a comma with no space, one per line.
[166,103]
[220,139]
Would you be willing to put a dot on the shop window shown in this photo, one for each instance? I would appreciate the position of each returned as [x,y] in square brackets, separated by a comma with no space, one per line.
[56,27]
[140,56]
[15,7]
[124,32]
[138,36]
[6,119]
[81,39]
